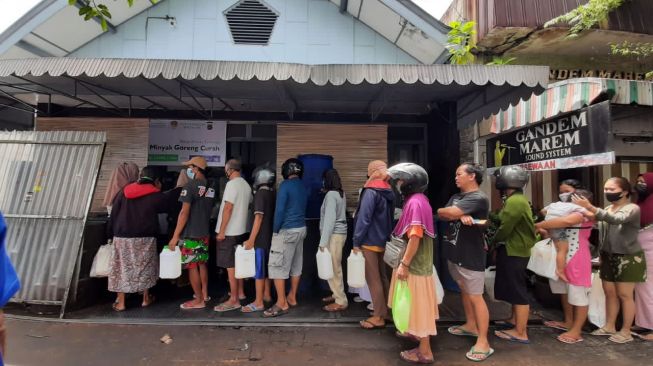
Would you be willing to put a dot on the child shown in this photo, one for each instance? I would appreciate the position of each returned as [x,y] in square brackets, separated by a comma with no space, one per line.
[260,237]
[560,236]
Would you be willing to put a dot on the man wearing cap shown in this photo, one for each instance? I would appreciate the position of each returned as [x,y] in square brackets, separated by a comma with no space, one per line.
[192,231]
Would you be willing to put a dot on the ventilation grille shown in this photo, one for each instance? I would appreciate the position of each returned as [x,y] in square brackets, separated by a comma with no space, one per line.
[251,22]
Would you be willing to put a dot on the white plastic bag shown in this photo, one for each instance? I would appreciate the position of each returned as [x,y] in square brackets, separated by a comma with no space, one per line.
[543,259]
[596,313]
[490,279]
[439,290]
[101,266]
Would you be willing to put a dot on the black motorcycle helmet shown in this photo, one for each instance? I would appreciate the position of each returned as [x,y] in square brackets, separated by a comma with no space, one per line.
[264,176]
[292,166]
[413,177]
[512,176]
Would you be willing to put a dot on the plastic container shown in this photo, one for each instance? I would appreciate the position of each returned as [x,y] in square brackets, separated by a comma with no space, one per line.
[314,167]
[170,263]
[356,270]
[324,264]
[245,262]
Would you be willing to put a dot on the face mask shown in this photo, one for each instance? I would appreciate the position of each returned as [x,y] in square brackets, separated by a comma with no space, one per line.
[613,197]
[641,188]
[565,197]
[190,173]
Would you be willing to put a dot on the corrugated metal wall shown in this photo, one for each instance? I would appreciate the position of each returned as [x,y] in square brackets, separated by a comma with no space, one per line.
[45,190]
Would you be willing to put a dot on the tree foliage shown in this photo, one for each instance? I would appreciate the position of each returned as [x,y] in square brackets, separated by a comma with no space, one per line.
[89,9]
[586,16]
[461,43]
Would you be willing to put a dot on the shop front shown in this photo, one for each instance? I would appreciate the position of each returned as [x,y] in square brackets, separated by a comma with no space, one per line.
[159,112]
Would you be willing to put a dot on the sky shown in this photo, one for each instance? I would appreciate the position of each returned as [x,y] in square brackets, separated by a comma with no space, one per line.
[11,10]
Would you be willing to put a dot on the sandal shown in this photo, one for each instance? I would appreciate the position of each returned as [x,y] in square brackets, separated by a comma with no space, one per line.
[508,337]
[504,324]
[332,308]
[371,325]
[555,325]
[420,359]
[476,356]
[459,331]
[620,338]
[274,312]
[116,308]
[206,299]
[645,337]
[190,305]
[251,308]
[602,332]
[568,340]
[224,307]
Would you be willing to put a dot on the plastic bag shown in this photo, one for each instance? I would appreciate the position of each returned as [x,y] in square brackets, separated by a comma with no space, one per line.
[596,312]
[490,279]
[401,302]
[543,259]
[439,290]
[102,262]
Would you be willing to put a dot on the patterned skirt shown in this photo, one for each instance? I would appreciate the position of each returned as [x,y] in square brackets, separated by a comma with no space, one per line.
[135,265]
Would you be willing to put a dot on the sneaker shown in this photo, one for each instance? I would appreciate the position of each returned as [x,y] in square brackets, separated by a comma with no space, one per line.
[358,299]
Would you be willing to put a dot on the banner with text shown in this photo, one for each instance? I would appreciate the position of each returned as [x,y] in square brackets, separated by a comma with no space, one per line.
[571,135]
[174,141]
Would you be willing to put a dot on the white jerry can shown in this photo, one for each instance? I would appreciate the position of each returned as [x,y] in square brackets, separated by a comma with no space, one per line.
[324,264]
[356,270]
[170,263]
[245,262]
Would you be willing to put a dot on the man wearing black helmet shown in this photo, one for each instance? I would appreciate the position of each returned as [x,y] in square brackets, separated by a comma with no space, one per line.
[515,238]
[261,235]
[289,227]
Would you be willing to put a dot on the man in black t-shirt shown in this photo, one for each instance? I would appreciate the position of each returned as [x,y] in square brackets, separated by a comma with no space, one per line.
[465,251]
[261,235]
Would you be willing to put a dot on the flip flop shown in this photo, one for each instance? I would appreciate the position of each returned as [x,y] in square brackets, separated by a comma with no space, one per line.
[458,330]
[274,312]
[568,340]
[473,355]
[251,308]
[503,324]
[645,337]
[334,308]
[115,307]
[555,325]
[328,299]
[621,339]
[602,332]
[507,337]
[206,299]
[188,305]
[373,326]
[224,307]
[415,352]
[152,300]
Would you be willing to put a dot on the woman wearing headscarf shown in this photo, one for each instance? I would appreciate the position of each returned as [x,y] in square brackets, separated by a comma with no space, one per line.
[644,290]
[123,174]
[134,226]
[372,227]
[415,226]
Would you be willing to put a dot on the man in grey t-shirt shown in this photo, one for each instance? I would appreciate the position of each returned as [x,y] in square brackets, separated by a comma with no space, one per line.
[465,252]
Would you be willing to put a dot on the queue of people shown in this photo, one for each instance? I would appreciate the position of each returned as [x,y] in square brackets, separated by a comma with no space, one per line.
[279,229]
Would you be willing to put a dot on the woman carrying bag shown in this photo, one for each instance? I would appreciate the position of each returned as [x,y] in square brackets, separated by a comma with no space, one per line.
[415,267]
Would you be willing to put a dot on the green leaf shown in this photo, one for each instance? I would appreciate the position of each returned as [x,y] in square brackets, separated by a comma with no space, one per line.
[130,2]
[72,2]
[102,7]
[106,13]
[84,10]
[88,16]
[105,26]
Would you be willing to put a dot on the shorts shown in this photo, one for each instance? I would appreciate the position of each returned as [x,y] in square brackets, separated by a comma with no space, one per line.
[559,234]
[470,282]
[623,267]
[511,282]
[286,254]
[194,252]
[261,263]
[576,295]
[225,251]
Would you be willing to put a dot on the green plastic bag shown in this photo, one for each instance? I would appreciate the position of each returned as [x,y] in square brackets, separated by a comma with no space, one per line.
[401,302]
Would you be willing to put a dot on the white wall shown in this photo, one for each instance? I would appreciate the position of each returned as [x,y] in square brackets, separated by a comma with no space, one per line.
[307,31]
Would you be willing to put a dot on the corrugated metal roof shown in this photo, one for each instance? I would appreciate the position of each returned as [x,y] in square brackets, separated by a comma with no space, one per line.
[530,76]
[45,191]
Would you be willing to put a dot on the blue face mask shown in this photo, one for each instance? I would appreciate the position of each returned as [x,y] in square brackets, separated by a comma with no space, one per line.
[190,173]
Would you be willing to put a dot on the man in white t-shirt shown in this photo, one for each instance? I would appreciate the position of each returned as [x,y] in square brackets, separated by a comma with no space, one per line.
[231,227]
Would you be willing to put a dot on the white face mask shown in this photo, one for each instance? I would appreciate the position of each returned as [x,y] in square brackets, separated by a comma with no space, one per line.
[190,173]
[565,197]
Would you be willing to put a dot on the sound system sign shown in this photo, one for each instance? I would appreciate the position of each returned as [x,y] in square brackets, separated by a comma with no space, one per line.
[578,138]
